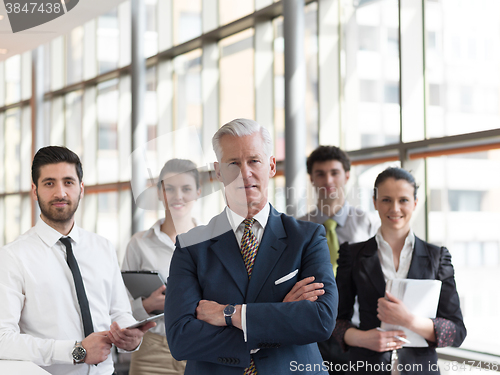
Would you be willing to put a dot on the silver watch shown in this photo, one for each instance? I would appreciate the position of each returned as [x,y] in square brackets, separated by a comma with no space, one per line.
[78,353]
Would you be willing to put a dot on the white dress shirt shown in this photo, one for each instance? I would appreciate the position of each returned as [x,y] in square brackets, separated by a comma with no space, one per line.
[40,317]
[386,257]
[353,224]
[258,227]
[149,250]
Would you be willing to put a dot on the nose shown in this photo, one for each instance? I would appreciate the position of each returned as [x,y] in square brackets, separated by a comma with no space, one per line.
[60,191]
[395,206]
[177,194]
[245,171]
[329,179]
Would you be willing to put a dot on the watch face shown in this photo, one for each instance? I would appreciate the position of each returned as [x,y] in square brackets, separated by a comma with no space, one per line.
[229,310]
[78,353]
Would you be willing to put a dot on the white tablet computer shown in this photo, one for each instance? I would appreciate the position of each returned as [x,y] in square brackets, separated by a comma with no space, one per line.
[150,319]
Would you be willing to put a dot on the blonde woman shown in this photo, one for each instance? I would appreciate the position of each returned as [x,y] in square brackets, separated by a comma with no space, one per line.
[178,189]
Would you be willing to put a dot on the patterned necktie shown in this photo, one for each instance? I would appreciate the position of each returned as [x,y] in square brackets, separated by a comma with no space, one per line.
[333,242]
[249,247]
[88,327]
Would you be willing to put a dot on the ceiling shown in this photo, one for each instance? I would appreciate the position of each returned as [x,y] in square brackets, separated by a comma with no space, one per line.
[15,43]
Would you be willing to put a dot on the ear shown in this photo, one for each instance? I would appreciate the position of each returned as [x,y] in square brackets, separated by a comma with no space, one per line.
[347,175]
[33,192]
[375,203]
[198,193]
[81,190]
[272,171]
[218,174]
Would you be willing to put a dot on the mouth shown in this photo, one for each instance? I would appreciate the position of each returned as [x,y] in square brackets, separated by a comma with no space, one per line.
[247,187]
[176,206]
[60,204]
[394,218]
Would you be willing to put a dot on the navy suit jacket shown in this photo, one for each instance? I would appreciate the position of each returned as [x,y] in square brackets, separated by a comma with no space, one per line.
[360,273]
[207,264]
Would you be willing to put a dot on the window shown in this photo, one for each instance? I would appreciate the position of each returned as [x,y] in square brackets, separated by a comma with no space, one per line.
[465,216]
[370,75]
[466,70]
[237,93]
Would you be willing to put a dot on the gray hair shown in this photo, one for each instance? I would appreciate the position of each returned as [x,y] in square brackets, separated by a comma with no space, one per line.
[241,127]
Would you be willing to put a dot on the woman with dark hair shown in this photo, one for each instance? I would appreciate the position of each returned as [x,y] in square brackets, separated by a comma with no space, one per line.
[178,188]
[394,253]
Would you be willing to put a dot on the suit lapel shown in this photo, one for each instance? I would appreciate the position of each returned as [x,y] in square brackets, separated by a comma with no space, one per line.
[270,250]
[420,267]
[226,248]
[371,263]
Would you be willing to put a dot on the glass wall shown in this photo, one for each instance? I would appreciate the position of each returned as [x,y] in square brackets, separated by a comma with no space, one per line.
[464,215]
[370,74]
[462,59]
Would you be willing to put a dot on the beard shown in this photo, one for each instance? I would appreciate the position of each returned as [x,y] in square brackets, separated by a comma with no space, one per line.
[58,214]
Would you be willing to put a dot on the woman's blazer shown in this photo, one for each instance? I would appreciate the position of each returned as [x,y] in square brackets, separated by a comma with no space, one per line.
[360,274]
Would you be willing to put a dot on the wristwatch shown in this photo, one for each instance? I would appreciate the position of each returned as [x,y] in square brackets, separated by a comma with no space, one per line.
[78,353]
[229,311]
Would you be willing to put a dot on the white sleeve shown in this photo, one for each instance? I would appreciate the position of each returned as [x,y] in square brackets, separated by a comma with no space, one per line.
[120,308]
[131,262]
[15,345]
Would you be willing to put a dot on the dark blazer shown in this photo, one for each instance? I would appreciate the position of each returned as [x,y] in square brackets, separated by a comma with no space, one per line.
[360,274]
[207,264]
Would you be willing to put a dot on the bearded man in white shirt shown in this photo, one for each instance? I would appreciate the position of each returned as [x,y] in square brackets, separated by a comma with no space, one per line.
[63,298]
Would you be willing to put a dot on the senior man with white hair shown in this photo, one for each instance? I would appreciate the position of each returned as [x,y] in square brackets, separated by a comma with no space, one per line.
[253,291]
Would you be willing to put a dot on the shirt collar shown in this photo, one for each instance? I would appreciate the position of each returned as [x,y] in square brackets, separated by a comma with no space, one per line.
[51,236]
[235,220]
[156,228]
[410,239]
[340,217]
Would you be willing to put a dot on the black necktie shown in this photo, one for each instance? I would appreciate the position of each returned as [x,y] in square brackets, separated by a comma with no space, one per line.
[88,327]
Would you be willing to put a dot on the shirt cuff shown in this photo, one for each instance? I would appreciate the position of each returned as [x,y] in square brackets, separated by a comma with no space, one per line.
[244,321]
[62,351]
[130,351]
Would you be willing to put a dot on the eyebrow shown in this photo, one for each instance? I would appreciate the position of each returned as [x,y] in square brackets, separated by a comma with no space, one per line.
[53,179]
[330,170]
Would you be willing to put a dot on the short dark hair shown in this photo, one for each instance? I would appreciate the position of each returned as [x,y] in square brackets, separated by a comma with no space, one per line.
[327,153]
[179,166]
[397,174]
[53,155]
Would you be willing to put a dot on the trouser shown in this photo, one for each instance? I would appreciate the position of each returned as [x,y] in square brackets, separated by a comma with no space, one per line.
[154,358]
[332,353]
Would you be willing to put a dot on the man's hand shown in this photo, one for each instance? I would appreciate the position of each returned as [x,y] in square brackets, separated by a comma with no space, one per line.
[393,311]
[305,289]
[98,347]
[213,313]
[128,338]
[156,301]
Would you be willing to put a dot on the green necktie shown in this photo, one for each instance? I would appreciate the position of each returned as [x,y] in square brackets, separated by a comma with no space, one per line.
[333,242]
